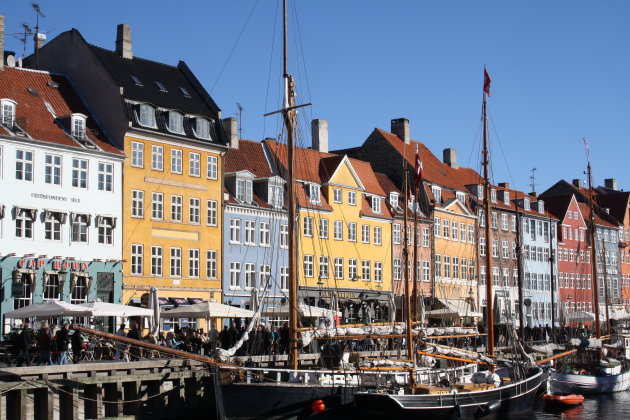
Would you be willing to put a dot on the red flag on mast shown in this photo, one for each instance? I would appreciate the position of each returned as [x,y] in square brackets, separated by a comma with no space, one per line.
[486,82]
[419,170]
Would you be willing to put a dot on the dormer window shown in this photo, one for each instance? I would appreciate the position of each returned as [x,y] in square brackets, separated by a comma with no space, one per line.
[480,191]
[541,207]
[136,81]
[202,128]
[77,122]
[8,112]
[175,122]
[184,92]
[461,197]
[376,204]
[506,198]
[526,205]
[161,86]
[393,199]
[493,195]
[276,196]
[437,194]
[313,194]
[147,116]
[244,190]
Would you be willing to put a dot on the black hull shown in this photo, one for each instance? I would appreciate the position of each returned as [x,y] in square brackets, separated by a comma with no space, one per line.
[281,401]
[514,399]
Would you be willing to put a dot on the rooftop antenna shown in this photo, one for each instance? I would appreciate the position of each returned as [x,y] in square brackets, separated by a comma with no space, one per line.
[532,178]
[240,120]
[23,36]
[38,13]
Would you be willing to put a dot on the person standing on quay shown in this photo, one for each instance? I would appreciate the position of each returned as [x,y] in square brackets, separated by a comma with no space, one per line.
[134,333]
[44,342]
[24,345]
[77,347]
[121,348]
[63,339]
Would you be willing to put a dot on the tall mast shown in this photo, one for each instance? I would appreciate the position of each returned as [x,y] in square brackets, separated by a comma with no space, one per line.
[486,205]
[289,115]
[406,277]
[414,293]
[519,267]
[605,281]
[598,330]
[552,259]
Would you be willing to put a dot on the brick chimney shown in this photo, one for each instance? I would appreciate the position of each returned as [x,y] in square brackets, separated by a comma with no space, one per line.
[230,125]
[1,42]
[578,183]
[449,156]
[319,134]
[123,41]
[611,183]
[400,127]
[505,185]
[39,39]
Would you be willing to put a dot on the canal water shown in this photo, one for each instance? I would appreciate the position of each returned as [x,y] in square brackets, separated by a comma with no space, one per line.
[601,407]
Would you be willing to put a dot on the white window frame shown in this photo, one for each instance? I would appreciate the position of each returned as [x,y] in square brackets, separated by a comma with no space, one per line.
[365,234]
[105,176]
[156,260]
[137,204]
[157,206]
[175,262]
[338,230]
[175,122]
[212,170]
[337,195]
[235,231]
[194,164]
[352,231]
[176,208]
[24,161]
[323,228]
[265,234]
[146,116]
[211,264]
[352,198]
[194,210]
[202,128]
[157,158]
[308,265]
[53,169]
[177,161]
[338,268]
[137,259]
[137,154]
[80,168]
[308,226]
[212,213]
[378,235]
[193,263]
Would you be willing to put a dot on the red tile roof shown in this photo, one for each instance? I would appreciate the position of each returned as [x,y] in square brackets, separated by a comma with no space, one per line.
[31,90]
[249,156]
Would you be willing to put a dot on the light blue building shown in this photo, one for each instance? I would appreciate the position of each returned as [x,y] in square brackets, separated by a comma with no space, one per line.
[539,247]
[255,239]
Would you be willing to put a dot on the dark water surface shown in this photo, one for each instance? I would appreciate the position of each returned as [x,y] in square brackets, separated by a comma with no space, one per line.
[602,407]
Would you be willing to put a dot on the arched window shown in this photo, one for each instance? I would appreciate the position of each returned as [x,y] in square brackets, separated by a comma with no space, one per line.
[175,122]
[77,122]
[147,115]
[202,128]
[7,110]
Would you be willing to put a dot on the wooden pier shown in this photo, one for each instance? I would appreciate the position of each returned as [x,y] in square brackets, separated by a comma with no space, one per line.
[155,389]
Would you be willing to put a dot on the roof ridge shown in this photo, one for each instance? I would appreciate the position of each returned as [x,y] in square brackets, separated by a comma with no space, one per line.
[134,57]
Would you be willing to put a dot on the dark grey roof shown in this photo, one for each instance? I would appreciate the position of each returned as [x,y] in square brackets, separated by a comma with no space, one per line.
[163,86]
[148,73]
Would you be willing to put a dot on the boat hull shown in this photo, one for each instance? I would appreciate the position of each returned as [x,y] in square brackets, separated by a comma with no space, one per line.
[281,401]
[500,402]
[569,383]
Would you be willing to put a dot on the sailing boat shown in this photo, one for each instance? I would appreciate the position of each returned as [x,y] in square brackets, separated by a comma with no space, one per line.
[591,369]
[470,400]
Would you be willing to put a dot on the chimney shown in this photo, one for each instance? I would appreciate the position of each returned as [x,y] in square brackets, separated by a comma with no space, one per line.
[578,183]
[39,39]
[505,185]
[230,125]
[123,41]
[1,42]
[319,133]
[400,127]
[611,183]
[449,156]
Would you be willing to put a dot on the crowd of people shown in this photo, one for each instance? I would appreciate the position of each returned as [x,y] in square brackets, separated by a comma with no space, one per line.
[52,344]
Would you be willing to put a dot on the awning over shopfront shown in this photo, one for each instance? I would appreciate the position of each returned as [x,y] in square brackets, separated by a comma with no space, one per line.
[194,300]
[452,308]
[177,301]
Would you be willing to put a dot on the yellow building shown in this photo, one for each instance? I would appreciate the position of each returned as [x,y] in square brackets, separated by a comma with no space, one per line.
[344,239]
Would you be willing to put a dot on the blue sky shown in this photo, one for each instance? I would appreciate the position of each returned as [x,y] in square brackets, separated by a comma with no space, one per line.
[560,70]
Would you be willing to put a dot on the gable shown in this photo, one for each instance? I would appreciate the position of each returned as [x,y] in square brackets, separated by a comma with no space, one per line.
[345,176]
[455,206]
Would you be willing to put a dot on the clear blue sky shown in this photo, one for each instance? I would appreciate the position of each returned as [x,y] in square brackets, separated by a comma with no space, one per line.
[560,70]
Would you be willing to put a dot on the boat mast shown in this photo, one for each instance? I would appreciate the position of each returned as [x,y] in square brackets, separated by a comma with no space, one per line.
[409,334]
[605,281]
[289,116]
[552,259]
[519,267]
[486,206]
[598,330]
[414,293]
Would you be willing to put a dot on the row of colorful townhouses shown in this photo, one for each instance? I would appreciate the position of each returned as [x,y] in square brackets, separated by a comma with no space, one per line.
[118,174]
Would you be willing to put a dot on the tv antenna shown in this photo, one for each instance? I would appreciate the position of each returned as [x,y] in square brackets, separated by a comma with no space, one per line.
[240,120]
[532,178]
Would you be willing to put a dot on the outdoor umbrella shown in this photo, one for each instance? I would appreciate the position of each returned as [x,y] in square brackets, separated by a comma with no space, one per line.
[580,316]
[304,310]
[99,308]
[207,310]
[50,308]
[154,306]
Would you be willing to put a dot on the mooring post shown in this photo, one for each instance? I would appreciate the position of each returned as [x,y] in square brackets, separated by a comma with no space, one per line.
[16,404]
[131,397]
[43,404]
[93,403]
[113,392]
[68,407]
